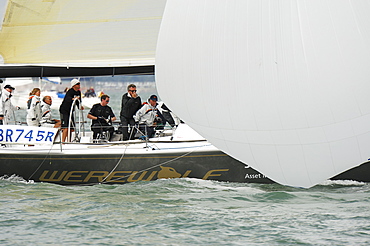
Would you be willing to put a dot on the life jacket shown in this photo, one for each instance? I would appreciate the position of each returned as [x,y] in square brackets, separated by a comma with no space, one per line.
[29,102]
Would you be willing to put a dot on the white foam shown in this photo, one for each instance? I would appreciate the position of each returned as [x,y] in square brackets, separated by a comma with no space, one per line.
[342,182]
[16,179]
[224,186]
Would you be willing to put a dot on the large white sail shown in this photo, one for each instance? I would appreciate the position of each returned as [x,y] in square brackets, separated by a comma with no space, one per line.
[79,33]
[280,85]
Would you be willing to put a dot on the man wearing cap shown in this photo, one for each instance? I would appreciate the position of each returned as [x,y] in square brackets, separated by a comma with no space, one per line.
[72,94]
[147,115]
[6,106]
[131,103]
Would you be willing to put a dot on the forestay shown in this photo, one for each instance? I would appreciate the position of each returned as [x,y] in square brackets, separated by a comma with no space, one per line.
[280,85]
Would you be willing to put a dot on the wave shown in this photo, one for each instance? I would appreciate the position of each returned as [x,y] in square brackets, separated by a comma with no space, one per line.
[15,179]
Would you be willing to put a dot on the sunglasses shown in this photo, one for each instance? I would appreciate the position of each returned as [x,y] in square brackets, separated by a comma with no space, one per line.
[133,90]
[107,101]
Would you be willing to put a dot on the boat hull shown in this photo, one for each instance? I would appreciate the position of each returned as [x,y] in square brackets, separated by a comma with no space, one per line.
[116,168]
[72,169]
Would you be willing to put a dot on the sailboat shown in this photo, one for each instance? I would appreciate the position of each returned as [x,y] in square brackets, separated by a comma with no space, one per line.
[279,86]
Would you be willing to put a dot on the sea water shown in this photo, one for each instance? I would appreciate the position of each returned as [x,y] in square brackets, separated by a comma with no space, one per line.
[184,212]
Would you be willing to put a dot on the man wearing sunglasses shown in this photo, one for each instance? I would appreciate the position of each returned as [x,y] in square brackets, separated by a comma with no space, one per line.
[102,116]
[131,103]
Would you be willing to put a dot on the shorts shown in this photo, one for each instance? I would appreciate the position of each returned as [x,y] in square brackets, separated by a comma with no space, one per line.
[64,118]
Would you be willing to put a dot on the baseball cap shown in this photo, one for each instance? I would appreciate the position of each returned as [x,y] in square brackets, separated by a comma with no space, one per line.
[10,87]
[74,82]
[153,97]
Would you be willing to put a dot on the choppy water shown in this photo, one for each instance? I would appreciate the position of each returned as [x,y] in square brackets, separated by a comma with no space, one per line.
[184,212]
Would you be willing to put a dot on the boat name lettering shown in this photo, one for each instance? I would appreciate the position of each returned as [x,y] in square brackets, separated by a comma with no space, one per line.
[212,173]
[113,177]
[21,134]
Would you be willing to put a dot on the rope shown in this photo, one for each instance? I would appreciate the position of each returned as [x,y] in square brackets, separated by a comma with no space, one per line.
[119,161]
[46,156]
[157,165]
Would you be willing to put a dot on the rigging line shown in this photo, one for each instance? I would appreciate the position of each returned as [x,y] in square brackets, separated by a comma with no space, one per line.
[131,131]
[119,161]
[46,156]
[157,165]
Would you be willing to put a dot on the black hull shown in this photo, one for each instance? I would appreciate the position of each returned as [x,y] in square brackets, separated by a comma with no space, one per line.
[89,169]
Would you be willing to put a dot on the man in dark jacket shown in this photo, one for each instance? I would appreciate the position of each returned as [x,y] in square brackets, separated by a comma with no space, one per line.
[131,103]
[102,116]
[72,94]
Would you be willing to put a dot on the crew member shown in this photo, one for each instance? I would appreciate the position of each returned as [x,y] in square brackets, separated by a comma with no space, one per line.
[72,94]
[34,108]
[102,116]
[131,103]
[6,106]
[46,118]
[147,116]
